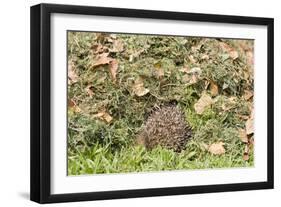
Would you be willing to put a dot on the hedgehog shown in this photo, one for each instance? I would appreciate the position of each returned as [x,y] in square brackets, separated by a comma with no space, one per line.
[165,126]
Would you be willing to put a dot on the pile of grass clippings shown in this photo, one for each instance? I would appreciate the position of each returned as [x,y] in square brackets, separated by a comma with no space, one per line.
[114,81]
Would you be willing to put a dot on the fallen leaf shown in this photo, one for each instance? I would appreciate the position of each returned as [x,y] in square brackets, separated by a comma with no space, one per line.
[214,88]
[139,89]
[99,48]
[73,106]
[204,102]
[229,50]
[248,94]
[230,103]
[72,76]
[107,117]
[233,54]
[103,115]
[102,59]
[246,156]
[113,66]
[243,135]
[117,46]
[102,37]
[192,75]
[250,124]
[246,153]
[217,148]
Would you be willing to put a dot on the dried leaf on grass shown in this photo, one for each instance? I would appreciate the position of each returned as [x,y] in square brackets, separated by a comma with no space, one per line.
[248,94]
[113,66]
[217,148]
[117,46]
[204,102]
[192,75]
[250,124]
[243,135]
[72,76]
[72,106]
[139,89]
[99,48]
[233,54]
[103,115]
[102,59]
[214,88]
[246,153]
[230,103]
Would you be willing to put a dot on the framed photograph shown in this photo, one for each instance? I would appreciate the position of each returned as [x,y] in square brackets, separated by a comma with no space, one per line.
[133,103]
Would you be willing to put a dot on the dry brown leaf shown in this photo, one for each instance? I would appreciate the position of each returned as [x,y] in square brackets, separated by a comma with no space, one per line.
[229,104]
[72,76]
[243,135]
[113,66]
[217,148]
[117,46]
[98,48]
[73,106]
[233,54]
[192,75]
[139,89]
[107,117]
[204,102]
[214,88]
[102,59]
[229,50]
[250,124]
[246,156]
[248,94]
[246,152]
[89,90]
[102,37]
[103,115]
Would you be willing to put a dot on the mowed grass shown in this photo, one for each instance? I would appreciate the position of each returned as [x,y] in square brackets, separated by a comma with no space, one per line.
[98,159]
[105,144]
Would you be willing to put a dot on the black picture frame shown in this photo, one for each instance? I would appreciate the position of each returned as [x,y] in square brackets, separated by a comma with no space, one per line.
[41,96]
